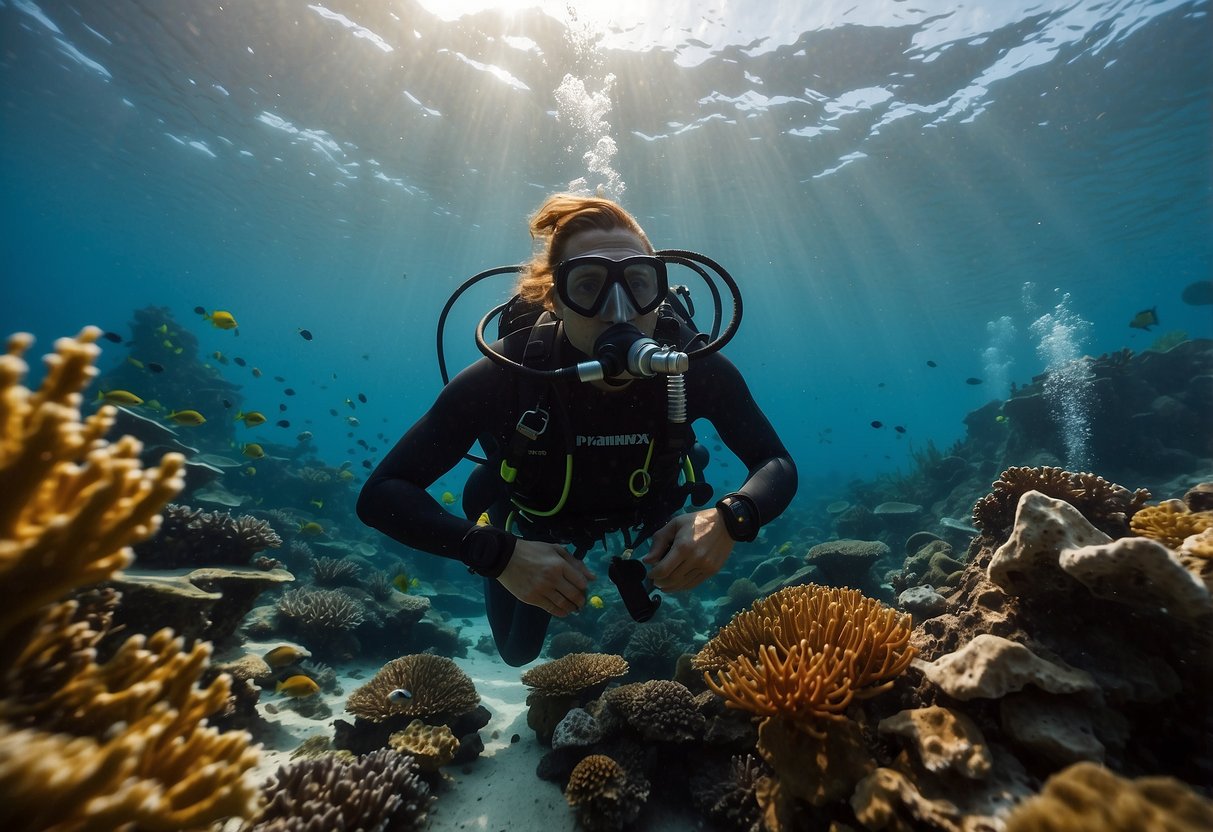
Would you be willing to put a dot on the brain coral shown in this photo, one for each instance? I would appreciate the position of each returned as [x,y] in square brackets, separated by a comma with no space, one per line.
[661,709]
[1170,522]
[436,683]
[806,652]
[603,795]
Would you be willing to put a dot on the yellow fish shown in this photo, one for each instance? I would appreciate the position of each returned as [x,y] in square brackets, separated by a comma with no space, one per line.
[162,329]
[251,419]
[297,687]
[220,357]
[168,345]
[188,418]
[596,602]
[284,656]
[250,471]
[134,362]
[404,583]
[153,404]
[312,528]
[346,475]
[319,504]
[221,319]
[125,397]
[1145,319]
[483,519]
[448,499]
[253,450]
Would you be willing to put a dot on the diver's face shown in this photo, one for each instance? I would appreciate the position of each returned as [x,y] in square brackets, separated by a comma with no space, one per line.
[616,244]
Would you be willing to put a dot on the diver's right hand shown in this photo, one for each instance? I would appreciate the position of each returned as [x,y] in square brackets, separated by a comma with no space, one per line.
[547,576]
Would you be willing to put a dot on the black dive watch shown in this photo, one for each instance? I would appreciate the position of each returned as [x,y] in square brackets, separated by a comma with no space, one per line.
[486,551]
[740,516]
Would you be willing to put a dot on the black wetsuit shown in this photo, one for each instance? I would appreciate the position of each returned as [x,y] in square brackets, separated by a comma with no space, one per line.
[608,434]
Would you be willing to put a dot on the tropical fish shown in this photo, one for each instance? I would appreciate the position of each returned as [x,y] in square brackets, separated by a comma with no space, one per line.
[134,362]
[187,418]
[283,423]
[899,428]
[1145,319]
[319,504]
[251,419]
[973,380]
[1000,418]
[288,392]
[349,402]
[284,656]
[1199,293]
[253,451]
[931,363]
[125,397]
[250,471]
[362,397]
[153,404]
[483,519]
[281,408]
[346,475]
[311,527]
[220,319]
[307,335]
[404,583]
[112,336]
[877,424]
[220,357]
[448,499]
[596,602]
[256,373]
[305,436]
[154,367]
[367,464]
[297,687]
[238,361]
[353,421]
[400,695]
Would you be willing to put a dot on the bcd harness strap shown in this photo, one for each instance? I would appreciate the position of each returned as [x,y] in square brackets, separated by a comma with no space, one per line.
[669,450]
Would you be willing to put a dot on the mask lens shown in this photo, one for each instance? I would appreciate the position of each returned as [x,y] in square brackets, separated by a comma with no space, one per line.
[583,285]
[642,283]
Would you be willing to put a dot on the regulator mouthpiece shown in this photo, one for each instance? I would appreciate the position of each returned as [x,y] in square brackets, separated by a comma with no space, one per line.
[625,349]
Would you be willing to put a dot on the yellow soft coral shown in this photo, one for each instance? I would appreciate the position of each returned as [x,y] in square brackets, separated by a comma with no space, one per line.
[805,652]
[1170,522]
[83,745]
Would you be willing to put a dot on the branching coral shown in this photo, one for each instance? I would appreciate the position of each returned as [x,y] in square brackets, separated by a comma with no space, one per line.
[193,537]
[805,652]
[1170,522]
[335,571]
[437,685]
[83,745]
[1107,505]
[321,611]
[379,791]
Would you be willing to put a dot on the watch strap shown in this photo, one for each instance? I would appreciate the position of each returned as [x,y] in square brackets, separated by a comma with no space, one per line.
[740,516]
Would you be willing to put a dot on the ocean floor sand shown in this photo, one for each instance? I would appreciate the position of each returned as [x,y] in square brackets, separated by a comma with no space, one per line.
[499,790]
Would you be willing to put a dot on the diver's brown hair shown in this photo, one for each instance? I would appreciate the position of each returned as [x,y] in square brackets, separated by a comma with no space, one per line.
[561,216]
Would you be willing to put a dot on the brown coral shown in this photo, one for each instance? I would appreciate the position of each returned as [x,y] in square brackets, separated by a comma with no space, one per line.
[437,685]
[82,745]
[321,611]
[433,746]
[1088,796]
[1170,522]
[602,794]
[805,652]
[1107,505]
[574,673]
[380,790]
[660,709]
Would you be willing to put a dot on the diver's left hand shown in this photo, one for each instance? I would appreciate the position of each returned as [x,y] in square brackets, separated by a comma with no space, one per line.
[688,550]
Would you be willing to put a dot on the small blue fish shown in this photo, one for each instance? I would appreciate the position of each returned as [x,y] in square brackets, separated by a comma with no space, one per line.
[399,695]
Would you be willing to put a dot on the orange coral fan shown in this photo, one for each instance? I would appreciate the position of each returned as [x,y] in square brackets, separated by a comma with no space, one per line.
[805,652]
[1107,505]
[1170,522]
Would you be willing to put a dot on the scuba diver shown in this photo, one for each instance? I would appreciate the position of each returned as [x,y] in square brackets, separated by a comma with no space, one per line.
[584,409]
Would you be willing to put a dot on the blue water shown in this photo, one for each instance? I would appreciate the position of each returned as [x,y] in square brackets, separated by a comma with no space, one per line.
[882,179]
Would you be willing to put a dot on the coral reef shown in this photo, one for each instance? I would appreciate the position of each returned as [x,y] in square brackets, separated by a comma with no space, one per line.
[335,572]
[380,790]
[560,685]
[324,619]
[432,746]
[88,745]
[603,795]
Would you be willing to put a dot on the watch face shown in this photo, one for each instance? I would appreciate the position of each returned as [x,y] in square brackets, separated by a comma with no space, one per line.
[482,550]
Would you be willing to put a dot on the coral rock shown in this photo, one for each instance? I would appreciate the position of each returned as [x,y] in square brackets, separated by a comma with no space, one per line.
[576,730]
[946,740]
[1141,572]
[1055,729]
[990,667]
[1044,526]
[433,746]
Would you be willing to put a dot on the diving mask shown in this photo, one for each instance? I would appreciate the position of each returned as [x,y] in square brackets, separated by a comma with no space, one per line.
[601,287]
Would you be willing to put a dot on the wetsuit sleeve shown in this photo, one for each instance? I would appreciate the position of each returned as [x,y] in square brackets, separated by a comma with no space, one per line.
[394,500]
[719,394]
